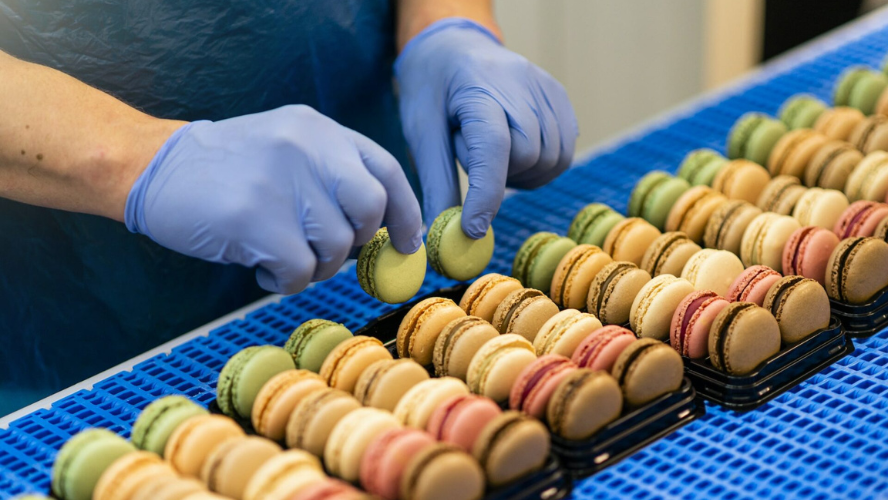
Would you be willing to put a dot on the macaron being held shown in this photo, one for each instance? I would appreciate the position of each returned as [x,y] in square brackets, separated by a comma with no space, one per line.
[725,228]
[613,290]
[584,402]
[245,373]
[453,254]
[807,253]
[460,419]
[800,306]
[564,332]
[753,136]
[599,350]
[511,446]
[524,312]
[535,262]
[349,359]
[159,419]
[495,366]
[646,370]
[486,293]
[574,275]
[860,219]
[421,326]
[81,461]
[692,211]
[700,166]
[742,337]
[801,111]
[388,275]
[831,165]
[668,254]
[689,331]
[312,341]
[764,239]
[536,383]
[712,269]
[386,381]
[592,224]
[652,309]
[838,122]
[629,239]
[458,343]
[741,180]
[654,195]
[820,207]
[857,270]
[752,285]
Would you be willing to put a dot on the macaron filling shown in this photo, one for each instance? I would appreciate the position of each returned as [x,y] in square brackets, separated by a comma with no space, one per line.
[842,266]
[664,252]
[633,356]
[616,272]
[785,288]
[827,162]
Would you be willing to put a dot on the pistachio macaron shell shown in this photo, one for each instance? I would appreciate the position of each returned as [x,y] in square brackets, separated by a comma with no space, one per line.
[536,260]
[458,343]
[831,165]
[654,195]
[591,224]
[652,308]
[613,291]
[486,293]
[668,254]
[159,419]
[725,228]
[857,270]
[801,111]
[511,445]
[800,306]
[388,275]
[700,166]
[583,403]
[421,326]
[860,88]
[453,254]
[741,180]
[646,370]
[574,275]
[629,239]
[712,269]
[764,240]
[312,341]
[742,337]
[838,122]
[692,211]
[753,136]
[82,460]
[562,333]
[245,373]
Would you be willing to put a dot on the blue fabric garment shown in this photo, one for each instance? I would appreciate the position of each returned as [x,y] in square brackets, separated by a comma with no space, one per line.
[80,293]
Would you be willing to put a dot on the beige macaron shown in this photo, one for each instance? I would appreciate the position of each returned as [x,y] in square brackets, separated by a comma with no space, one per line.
[564,332]
[713,270]
[628,240]
[765,238]
[793,151]
[820,207]
[741,180]
[384,382]
[838,122]
[692,211]
[652,309]
[495,366]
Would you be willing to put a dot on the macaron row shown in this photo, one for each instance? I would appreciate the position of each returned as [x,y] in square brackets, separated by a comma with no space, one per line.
[393,277]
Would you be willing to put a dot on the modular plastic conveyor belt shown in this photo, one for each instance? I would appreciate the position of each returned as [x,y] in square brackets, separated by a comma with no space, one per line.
[826,438]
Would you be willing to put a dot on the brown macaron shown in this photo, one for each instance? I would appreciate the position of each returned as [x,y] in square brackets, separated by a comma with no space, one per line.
[871,134]
[831,165]
[742,337]
[857,270]
[793,151]
[647,369]
[510,446]
[800,306]
[524,312]
[613,290]
[838,122]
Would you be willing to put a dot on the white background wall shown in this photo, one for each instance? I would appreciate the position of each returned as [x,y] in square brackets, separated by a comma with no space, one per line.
[625,60]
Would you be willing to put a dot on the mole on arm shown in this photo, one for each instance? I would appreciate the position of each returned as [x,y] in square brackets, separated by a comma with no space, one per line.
[39,156]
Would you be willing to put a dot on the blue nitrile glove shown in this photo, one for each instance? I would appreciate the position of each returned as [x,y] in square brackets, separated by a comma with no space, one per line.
[509,121]
[288,190]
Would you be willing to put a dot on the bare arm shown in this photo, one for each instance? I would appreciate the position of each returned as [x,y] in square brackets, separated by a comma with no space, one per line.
[66,145]
[415,15]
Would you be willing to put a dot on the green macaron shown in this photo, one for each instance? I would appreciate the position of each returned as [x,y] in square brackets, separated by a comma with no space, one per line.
[591,224]
[387,274]
[753,136]
[83,459]
[245,374]
[860,87]
[700,166]
[801,111]
[654,196]
[312,341]
[536,260]
[159,419]
[453,254]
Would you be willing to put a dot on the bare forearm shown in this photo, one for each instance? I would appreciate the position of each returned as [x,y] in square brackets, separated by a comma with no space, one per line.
[66,145]
[415,15]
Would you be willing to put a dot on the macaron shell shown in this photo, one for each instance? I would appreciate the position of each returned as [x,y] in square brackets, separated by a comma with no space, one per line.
[349,359]
[82,460]
[869,181]
[456,346]
[763,139]
[611,294]
[193,441]
[452,253]
[314,418]
[751,337]
[600,350]
[741,180]
[525,316]
[668,254]
[765,238]
[232,464]
[831,165]
[249,372]
[421,326]
[725,228]
[652,309]
[871,134]
[282,476]
[692,211]
[860,219]
[486,293]
[713,270]
[838,122]
[564,332]
[800,306]
[792,152]
[128,474]
[584,402]
[350,438]
[495,366]
[820,207]
[442,472]
[752,285]
[596,233]
[574,275]
[696,336]
[388,275]
[857,270]
[461,419]
[542,267]
[278,397]
[159,419]
[535,384]
[629,239]
[386,458]
[385,382]
[511,447]
[311,342]
[169,488]
[658,202]
[416,406]
[807,253]
[657,370]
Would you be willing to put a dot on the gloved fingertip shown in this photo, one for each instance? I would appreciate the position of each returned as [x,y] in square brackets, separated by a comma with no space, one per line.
[407,245]
[475,227]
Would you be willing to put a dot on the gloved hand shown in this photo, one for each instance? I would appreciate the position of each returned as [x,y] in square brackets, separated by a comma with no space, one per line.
[509,121]
[288,190]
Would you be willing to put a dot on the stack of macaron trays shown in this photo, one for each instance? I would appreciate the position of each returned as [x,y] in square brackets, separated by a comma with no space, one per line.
[601,400]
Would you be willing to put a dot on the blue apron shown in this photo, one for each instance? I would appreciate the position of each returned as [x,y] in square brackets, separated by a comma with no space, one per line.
[80,293]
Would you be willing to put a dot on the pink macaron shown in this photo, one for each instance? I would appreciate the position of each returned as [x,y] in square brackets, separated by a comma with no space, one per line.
[536,383]
[753,284]
[689,331]
[386,458]
[600,350]
[860,219]
[460,419]
[328,489]
[807,252]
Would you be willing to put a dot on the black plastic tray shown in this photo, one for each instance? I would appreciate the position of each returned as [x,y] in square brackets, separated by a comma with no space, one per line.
[863,320]
[788,368]
[630,432]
